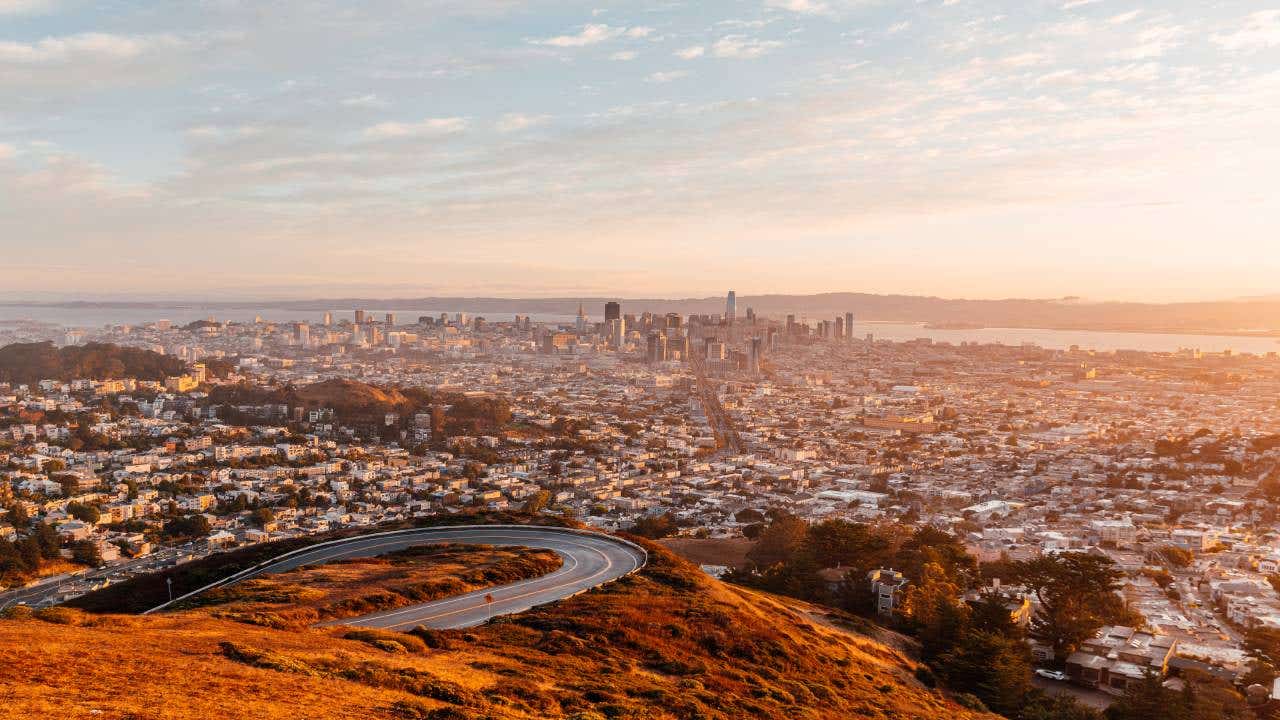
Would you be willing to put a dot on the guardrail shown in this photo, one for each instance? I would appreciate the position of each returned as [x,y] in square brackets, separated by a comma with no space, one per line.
[236,577]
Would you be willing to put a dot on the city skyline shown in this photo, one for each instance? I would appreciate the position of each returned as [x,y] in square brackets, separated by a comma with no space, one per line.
[1107,149]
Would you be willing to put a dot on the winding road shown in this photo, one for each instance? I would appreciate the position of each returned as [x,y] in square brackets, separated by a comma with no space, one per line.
[590,559]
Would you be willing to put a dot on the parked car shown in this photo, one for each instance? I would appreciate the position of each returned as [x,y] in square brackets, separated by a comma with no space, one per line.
[1051,674]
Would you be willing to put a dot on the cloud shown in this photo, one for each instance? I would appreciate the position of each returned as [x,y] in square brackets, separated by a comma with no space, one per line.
[1073,4]
[1153,42]
[898,27]
[591,34]
[640,31]
[743,47]
[513,122]
[1261,30]
[666,77]
[804,7]
[624,55]
[84,47]
[431,127]
[690,53]
[25,7]
[365,101]
[1124,17]
[7,151]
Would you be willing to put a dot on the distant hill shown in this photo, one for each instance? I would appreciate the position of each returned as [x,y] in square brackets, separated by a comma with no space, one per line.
[668,643]
[31,362]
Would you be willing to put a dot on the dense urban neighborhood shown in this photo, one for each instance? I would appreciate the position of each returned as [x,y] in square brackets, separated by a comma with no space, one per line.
[125,449]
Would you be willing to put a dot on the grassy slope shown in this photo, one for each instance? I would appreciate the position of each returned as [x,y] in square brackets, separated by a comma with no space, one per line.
[349,588]
[666,643]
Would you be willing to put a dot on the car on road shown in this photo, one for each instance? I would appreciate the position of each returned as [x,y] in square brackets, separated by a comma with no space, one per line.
[1051,674]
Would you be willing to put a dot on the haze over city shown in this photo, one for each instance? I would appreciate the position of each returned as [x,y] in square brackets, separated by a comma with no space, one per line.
[1109,149]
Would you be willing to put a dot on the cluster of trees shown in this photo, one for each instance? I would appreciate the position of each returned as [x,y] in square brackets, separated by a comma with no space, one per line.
[22,559]
[971,646]
[30,362]
[1200,698]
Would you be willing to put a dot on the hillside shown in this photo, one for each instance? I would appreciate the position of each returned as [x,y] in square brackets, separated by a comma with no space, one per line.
[31,362]
[666,643]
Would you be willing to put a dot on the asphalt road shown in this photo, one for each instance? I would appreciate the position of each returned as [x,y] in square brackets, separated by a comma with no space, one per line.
[590,560]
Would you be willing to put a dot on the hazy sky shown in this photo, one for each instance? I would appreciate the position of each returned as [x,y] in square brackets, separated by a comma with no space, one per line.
[1106,148]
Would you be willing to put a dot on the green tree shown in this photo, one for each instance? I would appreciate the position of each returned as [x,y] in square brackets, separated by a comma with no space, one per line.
[86,553]
[262,516]
[933,607]
[994,667]
[537,502]
[781,540]
[1057,707]
[84,512]
[1077,594]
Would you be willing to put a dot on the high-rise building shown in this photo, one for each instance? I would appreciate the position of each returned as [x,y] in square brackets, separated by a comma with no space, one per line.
[359,317]
[839,328]
[731,307]
[582,320]
[673,321]
[753,356]
[390,319]
[791,325]
[302,334]
[848,326]
[328,318]
[612,311]
[617,332]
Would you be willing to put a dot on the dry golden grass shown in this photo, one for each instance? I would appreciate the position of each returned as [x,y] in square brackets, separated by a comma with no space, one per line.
[350,588]
[665,644]
[710,551]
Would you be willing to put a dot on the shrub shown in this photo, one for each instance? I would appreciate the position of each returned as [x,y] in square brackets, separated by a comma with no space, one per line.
[17,612]
[971,701]
[387,640]
[60,615]
[926,676]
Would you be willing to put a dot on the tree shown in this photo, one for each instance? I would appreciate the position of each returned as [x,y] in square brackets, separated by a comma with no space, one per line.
[1057,707]
[655,526]
[781,540]
[17,515]
[1077,594]
[48,539]
[262,516]
[86,553]
[84,513]
[995,668]
[190,526]
[934,608]
[537,502]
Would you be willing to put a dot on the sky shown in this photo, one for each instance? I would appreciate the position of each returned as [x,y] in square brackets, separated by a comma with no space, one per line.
[1110,149]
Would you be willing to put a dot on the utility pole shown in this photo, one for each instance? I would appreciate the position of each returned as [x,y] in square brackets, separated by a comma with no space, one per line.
[169,582]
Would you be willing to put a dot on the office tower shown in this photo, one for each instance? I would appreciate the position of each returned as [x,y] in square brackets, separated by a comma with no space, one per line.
[302,334]
[582,320]
[673,321]
[460,319]
[731,307]
[617,332]
[751,316]
[791,325]
[612,311]
[839,328]
[390,320]
[357,334]
[359,314]
[328,319]
[848,326]
[753,357]
[478,324]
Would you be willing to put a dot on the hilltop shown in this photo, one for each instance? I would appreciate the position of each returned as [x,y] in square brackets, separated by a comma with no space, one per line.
[663,644]
[31,362]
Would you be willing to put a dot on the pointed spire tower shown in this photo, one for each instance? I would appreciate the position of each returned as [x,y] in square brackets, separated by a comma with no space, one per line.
[582,319]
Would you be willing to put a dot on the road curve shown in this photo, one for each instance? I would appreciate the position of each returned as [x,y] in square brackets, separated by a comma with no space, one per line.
[590,559]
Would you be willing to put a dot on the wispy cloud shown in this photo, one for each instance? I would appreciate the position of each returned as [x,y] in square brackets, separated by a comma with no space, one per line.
[666,77]
[514,122]
[591,34]
[804,7]
[743,47]
[689,53]
[431,127]
[1260,30]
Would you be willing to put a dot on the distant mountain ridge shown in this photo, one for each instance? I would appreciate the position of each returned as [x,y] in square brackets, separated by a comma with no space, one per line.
[1240,316]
